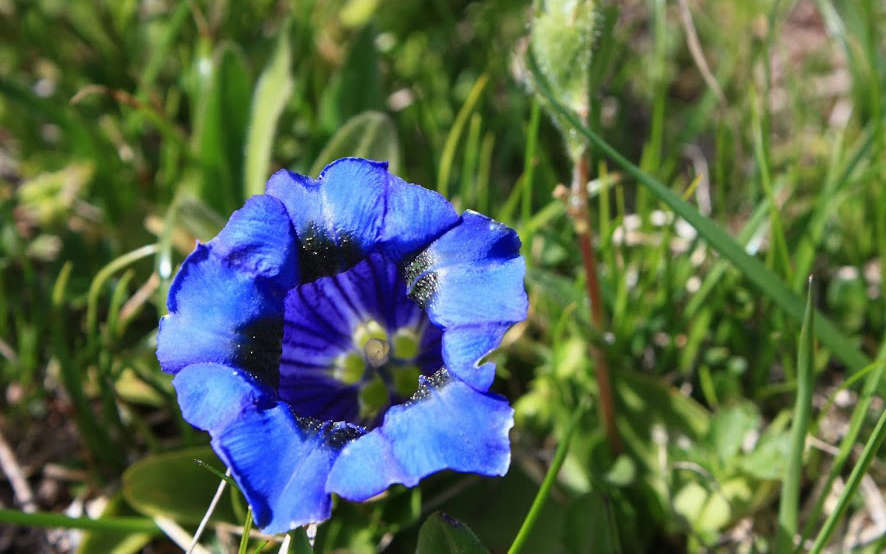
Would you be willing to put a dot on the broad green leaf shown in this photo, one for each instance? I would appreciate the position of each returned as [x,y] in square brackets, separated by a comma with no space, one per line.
[114,542]
[590,526]
[729,427]
[300,543]
[704,510]
[356,86]
[767,460]
[174,485]
[221,125]
[271,94]
[443,534]
[369,135]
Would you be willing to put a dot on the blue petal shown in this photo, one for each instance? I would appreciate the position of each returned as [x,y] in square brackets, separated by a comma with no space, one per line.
[279,462]
[259,239]
[448,426]
[225,303]
[356,207]
[414,217]
[219,315]
[470,281]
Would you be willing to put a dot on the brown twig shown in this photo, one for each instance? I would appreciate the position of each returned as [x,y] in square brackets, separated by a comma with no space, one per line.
[578,209]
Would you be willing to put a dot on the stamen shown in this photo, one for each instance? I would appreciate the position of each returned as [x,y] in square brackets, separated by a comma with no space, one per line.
[377,352]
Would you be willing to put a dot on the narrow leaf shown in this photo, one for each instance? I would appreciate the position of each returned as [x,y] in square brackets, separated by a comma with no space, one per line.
[756,272]
[369,135]
[790,485]
[271,94]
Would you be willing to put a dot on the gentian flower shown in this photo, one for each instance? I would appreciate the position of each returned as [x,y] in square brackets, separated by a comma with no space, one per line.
[330,339]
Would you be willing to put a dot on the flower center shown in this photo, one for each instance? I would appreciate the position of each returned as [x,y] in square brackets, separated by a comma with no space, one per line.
[354,344]
[382,366]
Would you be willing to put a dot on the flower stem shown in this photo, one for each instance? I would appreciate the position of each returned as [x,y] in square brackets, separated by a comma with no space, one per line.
[542,496]
[578,209]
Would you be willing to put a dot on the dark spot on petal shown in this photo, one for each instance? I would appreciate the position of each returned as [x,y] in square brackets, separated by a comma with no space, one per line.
[321,255]
[416,266]
[259,351]
[335,434]
[425,384]
[423,289]
[339,434]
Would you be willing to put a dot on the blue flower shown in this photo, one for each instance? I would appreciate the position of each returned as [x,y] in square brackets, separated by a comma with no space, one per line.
[330,339]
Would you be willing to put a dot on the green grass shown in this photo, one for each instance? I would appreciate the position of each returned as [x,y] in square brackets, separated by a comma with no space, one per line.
[130,129]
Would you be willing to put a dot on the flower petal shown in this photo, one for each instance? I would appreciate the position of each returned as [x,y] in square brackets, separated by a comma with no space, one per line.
[279,462]
[220,315]
[448,425]
[259,239]
[225,303]
[470,281]
[356,207]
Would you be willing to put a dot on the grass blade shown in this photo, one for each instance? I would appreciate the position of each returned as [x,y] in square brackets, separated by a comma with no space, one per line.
[790,485]
[542,496]
[448,156]
[271,94]
[46,519]
[867,456]
[762,277]
[849,439]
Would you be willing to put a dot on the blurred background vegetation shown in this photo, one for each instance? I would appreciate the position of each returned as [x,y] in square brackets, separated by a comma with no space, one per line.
[130,128]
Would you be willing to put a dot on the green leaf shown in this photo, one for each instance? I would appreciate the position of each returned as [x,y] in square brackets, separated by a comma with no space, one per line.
[173,485]
[590,526]
[114,542]
[221,125]
[704,510]
[762,277]
[442,534]
[730,426]
[271,94]
[369,135]
[790,488]
[357,84]
[300,543]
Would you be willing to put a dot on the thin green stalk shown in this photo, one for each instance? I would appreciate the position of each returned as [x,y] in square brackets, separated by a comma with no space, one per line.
[468,193]
[545,490]
[653,150]
[529,167]
[104,274]
[95,436]
[761,276]
[523,188]
[859,414]
[124,524]
[790,485]
[483,171]
[779,250]
[870,449]
[247,527]
[451,144]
